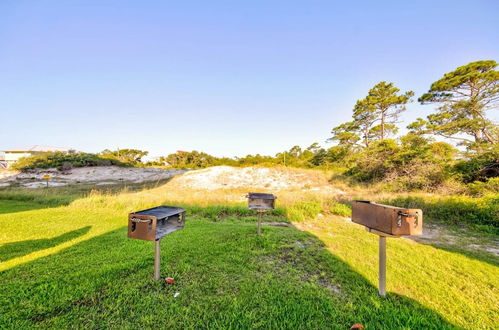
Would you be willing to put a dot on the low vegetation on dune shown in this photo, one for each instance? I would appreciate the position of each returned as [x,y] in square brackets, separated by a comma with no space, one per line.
[63,161]
[304,193]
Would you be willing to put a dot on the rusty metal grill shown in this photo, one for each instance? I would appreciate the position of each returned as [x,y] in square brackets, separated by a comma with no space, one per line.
[388,219]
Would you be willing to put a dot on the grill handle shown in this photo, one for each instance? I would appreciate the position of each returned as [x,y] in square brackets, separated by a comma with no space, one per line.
[137,220]
[401,214]
[248,196]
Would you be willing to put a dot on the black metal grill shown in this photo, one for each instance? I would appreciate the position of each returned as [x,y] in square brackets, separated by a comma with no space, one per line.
[155,223]
[261,201]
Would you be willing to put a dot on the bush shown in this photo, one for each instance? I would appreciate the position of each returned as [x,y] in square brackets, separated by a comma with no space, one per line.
[479,167]
[128,156]
[414,164]
[479,188]
[60,159]
[343,210]
[303,211]
[66,166]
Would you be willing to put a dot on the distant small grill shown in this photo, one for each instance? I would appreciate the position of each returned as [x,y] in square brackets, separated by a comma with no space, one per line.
[153,224]
[261,202]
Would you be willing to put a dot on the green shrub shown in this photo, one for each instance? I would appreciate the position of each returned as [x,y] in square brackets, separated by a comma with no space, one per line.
[60,159]
[219,212]
[128,156]
[414,164]
[479,188]
[303,211]
[479,167]
[343,210]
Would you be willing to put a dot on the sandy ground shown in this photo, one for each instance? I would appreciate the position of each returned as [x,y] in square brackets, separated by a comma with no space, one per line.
[99,175]
[275,179]
[218,177]
[440,234]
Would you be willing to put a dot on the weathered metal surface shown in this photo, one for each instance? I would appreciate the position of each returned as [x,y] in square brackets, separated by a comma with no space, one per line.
[157,259]
[382,266]
[388,219]
[259,201]
[155,223]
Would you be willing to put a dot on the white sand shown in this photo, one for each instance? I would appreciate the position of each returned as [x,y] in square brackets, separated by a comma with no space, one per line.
[219,177]
[99,175]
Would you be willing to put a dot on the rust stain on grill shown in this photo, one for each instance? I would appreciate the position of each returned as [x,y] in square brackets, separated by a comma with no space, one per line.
[155,223]
[388,219]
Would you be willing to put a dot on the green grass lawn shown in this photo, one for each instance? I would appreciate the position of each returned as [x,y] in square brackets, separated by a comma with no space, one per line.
[72,266]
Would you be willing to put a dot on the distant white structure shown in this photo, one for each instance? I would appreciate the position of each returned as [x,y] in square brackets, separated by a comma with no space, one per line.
[10,156]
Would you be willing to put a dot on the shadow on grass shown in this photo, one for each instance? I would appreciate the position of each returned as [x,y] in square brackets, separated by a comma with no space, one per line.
[8,206]
[463,240]
[18,249]
[227,277]
[480,255]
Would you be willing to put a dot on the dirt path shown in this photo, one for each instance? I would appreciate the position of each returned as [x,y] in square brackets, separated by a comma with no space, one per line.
[457,239]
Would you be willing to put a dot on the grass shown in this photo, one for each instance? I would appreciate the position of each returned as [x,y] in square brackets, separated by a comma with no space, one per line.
[69,264]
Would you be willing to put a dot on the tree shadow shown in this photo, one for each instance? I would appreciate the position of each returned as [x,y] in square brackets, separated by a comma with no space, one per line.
[479,255]
[21,248]
[233,279]
[464,241]
[15,206]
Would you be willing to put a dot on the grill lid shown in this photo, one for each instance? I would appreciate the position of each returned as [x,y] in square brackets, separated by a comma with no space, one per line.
[161,212]
[261,196]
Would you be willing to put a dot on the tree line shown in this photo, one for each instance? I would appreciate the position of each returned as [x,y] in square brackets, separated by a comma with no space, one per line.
[368,148]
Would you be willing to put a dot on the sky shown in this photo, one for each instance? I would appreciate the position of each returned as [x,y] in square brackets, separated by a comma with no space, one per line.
[229,78]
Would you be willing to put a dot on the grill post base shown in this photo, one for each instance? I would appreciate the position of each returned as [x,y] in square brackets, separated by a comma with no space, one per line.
[382,266]
[156,259]
[259,230]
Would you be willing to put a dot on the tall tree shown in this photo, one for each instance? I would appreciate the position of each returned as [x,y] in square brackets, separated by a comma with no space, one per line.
[346,134]
[364,117]
[131,156]
[295,151]
[386,103]
[465,96]
[314,147]
[375,116]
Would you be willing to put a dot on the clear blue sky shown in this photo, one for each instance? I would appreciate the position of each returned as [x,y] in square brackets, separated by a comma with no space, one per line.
[224,77]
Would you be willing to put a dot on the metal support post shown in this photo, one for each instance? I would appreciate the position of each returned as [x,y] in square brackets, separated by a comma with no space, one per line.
[382,266]
[259,223]
[156,259]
